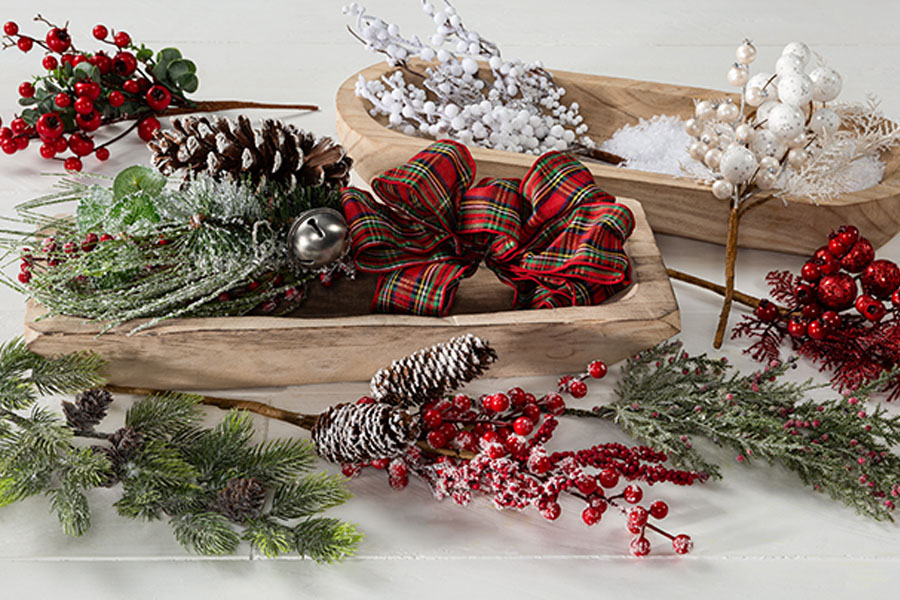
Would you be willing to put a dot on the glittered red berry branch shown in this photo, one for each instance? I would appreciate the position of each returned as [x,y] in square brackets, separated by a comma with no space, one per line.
[81,92]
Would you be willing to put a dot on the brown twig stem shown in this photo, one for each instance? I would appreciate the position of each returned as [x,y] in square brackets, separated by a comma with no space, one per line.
[739,297]
[734,219]
[272,412]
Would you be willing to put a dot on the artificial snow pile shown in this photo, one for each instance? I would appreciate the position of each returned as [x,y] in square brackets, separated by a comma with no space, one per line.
[660,145]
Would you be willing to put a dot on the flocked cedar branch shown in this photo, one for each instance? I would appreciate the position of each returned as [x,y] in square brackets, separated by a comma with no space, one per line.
[214,485]
[843,447]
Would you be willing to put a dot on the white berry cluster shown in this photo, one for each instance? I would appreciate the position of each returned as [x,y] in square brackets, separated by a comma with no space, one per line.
[782,119]
[516,108]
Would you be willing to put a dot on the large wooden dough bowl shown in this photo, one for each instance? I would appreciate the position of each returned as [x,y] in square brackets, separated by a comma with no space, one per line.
[333,337]
[675,206]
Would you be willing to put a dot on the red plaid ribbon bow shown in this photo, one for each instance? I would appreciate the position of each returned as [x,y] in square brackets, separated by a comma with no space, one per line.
[553,236]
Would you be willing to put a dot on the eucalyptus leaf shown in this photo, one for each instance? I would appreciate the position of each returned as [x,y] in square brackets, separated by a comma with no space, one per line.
[137,179]
[144,54]
[179,68]
[27,101]
[168,55]
[188,82]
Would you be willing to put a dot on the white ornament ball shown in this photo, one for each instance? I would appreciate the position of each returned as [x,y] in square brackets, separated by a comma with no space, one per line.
[824,121]
[743,132]
[799,141]
[762,113]
[704,110]
[827,84]
[766,179]
[797,157]
[712,158]
[788,65]
[693,127]
[737,75]
[722,189]
[745,53]
[760,80]
[765,143]
[798,49]
[737,164]
[785,121]
[727,111]
[769,162]
[796,89]
[698,150]
[754,96]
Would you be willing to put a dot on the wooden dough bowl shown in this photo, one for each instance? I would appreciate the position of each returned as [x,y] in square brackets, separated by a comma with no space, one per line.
[333,337]
[676,206]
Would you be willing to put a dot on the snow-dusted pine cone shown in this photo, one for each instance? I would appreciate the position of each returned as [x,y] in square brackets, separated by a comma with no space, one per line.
[88,410]
[242,499]
[433,372]
[353,433]
[274,152]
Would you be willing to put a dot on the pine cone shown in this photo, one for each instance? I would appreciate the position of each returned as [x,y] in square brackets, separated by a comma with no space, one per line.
[353,433]
[126,441]
[88,410]
[242,499]
[433,372]
[275,152]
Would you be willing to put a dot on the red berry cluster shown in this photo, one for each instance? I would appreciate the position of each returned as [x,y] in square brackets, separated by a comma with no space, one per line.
[82,91]
[832,279]
[495,445]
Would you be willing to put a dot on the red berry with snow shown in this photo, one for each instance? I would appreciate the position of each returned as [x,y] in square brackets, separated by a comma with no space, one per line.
[72,164]
[432,419]
[682,544]
[523,425]
[591,515]
[436,439]
[597,369]
[633,494]
[659,509]
[552,511]
[578,388]
[554,404]
[608,478]
[640,546]
[637,516]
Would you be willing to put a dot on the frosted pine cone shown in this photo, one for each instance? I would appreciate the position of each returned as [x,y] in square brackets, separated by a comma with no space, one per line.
[126,441]
[353,433]
[88,410]
[274,152]
[433,372]
[242,499]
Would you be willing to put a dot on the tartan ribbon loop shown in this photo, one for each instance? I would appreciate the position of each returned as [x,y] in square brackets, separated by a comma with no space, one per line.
[553,236]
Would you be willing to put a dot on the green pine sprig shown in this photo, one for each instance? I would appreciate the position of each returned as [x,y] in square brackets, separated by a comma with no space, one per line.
[173,468]
[843,447]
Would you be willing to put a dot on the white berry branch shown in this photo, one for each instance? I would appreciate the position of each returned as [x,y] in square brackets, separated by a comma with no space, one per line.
[517,108]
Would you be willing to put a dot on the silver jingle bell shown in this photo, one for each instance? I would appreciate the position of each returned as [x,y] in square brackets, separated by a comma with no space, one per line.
[318,237]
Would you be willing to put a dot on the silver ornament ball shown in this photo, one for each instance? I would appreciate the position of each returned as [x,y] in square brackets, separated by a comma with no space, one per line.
[318,237]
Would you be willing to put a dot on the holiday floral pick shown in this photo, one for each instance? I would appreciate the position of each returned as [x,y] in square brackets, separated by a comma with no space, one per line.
[845,447]
[463,447]
[143,249]
[517,108]
[83,91]
[842,312]
[553,236]
[213,485]
[786,137]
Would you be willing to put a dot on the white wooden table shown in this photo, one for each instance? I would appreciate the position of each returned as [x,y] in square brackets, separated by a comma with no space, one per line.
[758,532]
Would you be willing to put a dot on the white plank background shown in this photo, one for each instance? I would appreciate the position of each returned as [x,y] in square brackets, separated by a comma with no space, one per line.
[757,533]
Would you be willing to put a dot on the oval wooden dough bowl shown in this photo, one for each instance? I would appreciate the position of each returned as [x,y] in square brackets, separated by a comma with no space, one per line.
[333,337]
[676,206]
